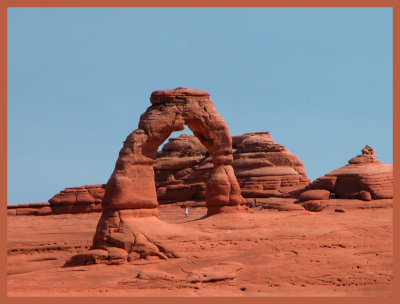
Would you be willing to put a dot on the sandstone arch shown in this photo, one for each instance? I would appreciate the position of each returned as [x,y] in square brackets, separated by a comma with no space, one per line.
[131,185]
[131,193]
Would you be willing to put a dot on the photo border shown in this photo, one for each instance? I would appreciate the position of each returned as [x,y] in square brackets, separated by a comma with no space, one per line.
[5,4]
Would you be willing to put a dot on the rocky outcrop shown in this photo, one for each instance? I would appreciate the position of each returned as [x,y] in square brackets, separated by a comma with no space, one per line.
[364,177]
[82,199]
[264,168]
[42,208]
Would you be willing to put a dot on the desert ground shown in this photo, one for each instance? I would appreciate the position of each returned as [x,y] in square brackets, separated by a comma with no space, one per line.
[259,252]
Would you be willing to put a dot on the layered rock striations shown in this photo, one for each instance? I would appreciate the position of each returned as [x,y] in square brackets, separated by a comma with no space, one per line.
[182,169]
[78,199]
[81,199]
[364,177]
[264,168]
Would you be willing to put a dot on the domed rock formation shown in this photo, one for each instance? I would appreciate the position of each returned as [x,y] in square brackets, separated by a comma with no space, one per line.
[264,168]
[131,193]
[364,178]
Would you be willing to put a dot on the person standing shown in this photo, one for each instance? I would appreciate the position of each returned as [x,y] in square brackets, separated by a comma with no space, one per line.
[186,211]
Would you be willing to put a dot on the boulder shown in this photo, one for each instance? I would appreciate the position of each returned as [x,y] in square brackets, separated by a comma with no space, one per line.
[314,206]
[314,194]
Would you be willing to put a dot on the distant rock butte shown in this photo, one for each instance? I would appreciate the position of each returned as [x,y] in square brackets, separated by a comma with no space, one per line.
[82,199]
[364,177]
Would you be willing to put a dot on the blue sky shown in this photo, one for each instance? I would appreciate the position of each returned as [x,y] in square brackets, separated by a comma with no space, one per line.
[319,79]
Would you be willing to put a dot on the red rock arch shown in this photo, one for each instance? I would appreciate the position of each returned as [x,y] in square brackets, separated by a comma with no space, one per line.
[131,185]
[131,192]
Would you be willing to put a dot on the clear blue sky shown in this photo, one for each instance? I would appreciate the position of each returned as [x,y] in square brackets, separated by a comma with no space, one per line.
[319,79]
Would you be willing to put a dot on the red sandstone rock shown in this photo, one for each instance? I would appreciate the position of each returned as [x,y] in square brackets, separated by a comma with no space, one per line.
[182,168]
[11,211]
[63,209]
[44,211]
[324,182]
[222,188]
[362,195]
[311,247]
[314,195]
[364,174]
[29,205]
[39,205]
[132,184]
[26,211]
[261,170]
[314,205]
[184,145]
[264,168]
[78,199]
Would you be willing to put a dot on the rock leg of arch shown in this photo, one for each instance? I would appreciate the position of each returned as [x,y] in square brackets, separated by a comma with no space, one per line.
[130,195]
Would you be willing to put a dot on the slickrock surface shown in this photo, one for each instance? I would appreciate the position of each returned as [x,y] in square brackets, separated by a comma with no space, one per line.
[364,177]
[262,252]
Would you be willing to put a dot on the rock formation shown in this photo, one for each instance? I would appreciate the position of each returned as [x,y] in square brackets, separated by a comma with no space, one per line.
[264,168]
[364,177]
[182,169]
[183,166]
[82,199]
[78,199]
[41,208]
[130,192]
[131,186]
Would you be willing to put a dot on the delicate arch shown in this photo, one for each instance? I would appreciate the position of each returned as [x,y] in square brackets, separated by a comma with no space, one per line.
[131,185]
[131,192]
